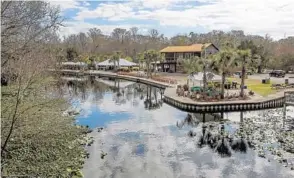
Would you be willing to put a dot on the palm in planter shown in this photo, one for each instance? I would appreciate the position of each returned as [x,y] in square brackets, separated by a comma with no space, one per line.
[244,59]
[224,61]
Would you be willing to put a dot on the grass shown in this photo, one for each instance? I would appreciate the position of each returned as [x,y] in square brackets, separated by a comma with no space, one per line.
[256,86]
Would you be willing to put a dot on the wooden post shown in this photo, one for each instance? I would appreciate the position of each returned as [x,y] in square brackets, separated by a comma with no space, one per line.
[203,117]
[284,114]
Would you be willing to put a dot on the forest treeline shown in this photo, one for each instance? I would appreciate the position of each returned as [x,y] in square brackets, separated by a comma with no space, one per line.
[98,46]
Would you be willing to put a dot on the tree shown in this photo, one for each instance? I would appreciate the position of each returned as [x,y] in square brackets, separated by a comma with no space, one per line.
[71,54]
[119,34]
[30,118]
[191,64]
[149,57]
[134,33]
[24,26]
[115,59]
[225,60]
[244,58]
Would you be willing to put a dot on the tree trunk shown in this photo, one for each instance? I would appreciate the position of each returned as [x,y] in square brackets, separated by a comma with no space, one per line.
[241,117]
[243,80]
[259,69]
[204,81]
[204,78]
[114,65]
[223,85]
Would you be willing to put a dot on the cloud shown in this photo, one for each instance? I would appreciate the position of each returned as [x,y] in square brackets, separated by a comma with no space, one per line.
[121,10]
[65,5]
[254,17]
[75,27]
[113,11]
[167,152]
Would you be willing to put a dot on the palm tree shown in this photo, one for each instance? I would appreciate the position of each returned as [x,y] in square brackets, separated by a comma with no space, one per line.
[149,57]
[225,60]
[244,58]
[190,65]
[115,59]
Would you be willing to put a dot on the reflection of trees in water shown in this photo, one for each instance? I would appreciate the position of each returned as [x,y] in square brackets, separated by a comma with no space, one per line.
[149,94]
[214,135]
[151,101]
[83,88]
[189,120]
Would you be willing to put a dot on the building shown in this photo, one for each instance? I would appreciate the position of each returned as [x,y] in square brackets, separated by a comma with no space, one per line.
[173,53]
[109,64]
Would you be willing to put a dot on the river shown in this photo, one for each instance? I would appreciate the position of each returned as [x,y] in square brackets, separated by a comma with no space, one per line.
[142,138]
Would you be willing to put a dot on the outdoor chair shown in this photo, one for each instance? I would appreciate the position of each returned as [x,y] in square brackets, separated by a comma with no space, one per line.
[234,85]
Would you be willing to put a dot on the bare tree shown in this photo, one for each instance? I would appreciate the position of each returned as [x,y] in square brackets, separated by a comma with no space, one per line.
[119,34]
[27,35]
[23,25]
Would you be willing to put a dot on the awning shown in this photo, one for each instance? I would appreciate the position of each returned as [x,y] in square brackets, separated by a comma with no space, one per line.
[122,63]
[73,63]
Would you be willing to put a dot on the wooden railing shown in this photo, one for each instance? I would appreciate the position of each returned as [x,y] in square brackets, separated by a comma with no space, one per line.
[156,78]
[164,80]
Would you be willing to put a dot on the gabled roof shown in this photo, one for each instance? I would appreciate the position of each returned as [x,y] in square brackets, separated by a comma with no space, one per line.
[190,48]
[73,63]
[122,62]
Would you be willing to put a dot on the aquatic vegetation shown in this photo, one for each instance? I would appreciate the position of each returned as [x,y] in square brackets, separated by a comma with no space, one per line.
[268,135]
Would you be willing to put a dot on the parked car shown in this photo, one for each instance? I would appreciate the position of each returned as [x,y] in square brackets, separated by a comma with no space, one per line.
[240,72]
[277,73]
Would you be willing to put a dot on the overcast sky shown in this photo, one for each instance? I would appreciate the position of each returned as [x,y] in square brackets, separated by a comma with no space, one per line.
[171,17]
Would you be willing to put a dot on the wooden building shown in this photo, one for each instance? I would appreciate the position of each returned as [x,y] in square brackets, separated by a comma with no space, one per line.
[173,53]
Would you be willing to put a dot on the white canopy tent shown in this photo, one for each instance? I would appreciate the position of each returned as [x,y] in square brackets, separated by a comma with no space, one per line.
[122,63]
[73,63]
[197,78]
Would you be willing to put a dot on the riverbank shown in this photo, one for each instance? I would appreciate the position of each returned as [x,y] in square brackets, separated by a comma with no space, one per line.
[256,102]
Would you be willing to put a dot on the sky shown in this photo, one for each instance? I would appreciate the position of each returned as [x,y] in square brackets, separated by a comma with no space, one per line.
[172,17]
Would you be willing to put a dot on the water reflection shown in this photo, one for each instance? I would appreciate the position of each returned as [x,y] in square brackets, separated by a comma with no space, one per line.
[144,137]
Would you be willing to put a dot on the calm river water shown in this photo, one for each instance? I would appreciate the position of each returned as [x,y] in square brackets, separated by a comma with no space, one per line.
[143,139]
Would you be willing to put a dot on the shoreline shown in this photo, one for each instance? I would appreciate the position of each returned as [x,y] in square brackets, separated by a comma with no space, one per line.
[276,100]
